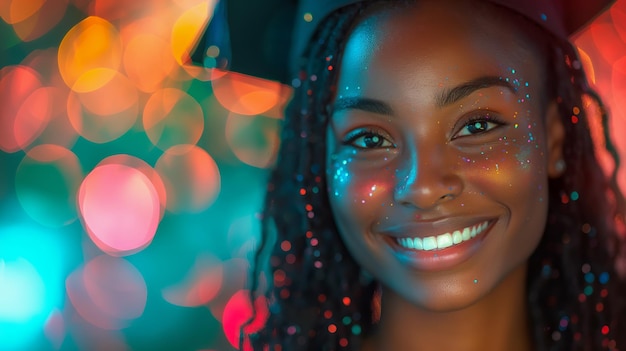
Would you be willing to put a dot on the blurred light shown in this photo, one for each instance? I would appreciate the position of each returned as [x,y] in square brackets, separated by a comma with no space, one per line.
[247,95]
[21,299]
[55,329]
[86,336]
[33,116]
[215,124]
[191,178]
[116,287]
[607,41]
[92,43]
[58,129]
[32,265]
[173,117]
[22,293]
[45,63]
[13,11]
[618,122]
[216,39]
[238,311]
[587,65]
[158,23]
[234,278]
[618,79]
[148,61]
[144,168]
[107,292]
[254,140]
[200,286]
[618,15]
[107,113]
[243,235]
[120,208]
[82,5]
[120,9]
[185,4]
[46,183]
[25,109]
[188,29]
[41,21]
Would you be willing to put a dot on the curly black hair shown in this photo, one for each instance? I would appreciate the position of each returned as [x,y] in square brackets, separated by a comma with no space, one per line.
[320,299]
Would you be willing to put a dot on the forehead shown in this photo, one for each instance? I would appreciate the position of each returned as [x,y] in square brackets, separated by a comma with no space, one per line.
[438,42]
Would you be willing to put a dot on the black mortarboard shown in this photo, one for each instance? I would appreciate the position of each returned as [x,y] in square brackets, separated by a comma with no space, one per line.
[266,35]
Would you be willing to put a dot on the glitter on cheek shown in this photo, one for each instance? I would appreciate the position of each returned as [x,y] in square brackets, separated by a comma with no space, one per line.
[341,174]
[523,157]
[467,160]
[373,190]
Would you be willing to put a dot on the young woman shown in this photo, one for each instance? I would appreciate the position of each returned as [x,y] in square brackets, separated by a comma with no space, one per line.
[437,187]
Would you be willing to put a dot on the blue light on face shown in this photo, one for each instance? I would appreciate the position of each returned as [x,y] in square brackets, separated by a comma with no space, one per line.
[31,283]
[341,175]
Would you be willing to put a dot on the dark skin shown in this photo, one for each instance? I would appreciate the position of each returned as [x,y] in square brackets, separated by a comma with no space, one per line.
[476,327]
[440,124]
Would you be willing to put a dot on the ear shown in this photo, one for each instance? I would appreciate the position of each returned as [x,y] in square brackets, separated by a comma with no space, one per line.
[555,135]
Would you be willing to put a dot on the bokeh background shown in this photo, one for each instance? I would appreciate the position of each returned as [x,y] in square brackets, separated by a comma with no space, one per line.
[131,179]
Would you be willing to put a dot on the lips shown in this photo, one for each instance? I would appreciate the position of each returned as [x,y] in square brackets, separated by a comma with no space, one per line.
[456,241]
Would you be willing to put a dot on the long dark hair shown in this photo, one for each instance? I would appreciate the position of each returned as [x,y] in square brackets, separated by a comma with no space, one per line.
[320,299]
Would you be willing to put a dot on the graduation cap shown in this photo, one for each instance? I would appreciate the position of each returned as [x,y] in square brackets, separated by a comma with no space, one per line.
[265,36]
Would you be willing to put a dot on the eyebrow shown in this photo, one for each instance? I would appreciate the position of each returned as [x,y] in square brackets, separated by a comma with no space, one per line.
[447,97]
[363,104]
[450,96]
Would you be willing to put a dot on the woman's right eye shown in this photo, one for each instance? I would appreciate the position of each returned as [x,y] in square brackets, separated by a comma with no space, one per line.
[368,139]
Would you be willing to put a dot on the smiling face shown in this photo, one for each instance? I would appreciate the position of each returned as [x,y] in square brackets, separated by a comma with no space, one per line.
[439,151]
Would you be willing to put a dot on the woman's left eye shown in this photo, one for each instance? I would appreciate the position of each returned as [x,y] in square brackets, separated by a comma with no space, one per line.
[368,140]
[477,126]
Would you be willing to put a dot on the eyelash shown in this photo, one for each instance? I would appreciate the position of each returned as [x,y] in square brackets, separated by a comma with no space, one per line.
[353,136]
[474,120]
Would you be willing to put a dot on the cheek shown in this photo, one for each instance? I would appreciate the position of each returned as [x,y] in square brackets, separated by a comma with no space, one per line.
[513,173]
[357,195]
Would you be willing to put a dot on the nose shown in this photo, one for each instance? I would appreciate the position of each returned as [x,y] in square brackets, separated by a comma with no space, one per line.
[427,181]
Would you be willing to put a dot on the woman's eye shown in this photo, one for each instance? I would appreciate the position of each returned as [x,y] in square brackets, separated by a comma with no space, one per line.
[368,140]
[477,127]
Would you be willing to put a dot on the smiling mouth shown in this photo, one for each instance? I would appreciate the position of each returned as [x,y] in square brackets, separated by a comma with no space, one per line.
[443,241]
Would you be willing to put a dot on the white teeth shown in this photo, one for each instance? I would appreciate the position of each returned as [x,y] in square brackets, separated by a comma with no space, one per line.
[430,243]
[457,237]
[409,243]
[417,244]
[466,234]
[444,240]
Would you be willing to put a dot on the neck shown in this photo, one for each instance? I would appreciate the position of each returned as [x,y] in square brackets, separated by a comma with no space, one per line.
[498,321]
